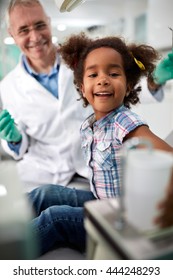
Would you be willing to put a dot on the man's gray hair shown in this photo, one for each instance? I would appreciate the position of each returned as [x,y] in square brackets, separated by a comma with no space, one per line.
[14,3]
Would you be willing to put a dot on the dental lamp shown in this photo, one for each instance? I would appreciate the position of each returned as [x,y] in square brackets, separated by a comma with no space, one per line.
[68,5]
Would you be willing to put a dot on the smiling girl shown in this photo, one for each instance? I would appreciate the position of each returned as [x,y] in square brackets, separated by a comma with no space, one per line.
[106,74]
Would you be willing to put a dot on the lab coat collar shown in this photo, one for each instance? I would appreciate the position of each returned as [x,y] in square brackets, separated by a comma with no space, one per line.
[32,72]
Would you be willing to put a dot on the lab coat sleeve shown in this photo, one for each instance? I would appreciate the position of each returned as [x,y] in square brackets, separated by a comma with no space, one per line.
[158,94]
[22,150]
[15,146]
[148,97]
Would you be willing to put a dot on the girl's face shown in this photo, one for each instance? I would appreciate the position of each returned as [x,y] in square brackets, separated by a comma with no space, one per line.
[104,81]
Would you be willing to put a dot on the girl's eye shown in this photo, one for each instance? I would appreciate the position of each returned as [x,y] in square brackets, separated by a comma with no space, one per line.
[114,74]
[92,75]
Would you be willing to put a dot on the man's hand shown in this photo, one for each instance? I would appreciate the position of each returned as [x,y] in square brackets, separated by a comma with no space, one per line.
[8,129]
[164,70]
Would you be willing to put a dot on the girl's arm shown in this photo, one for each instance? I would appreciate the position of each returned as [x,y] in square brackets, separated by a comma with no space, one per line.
[165,207]
[145,132]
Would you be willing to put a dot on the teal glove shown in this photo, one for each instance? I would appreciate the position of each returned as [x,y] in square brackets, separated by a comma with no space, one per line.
[164,70]
[8,130]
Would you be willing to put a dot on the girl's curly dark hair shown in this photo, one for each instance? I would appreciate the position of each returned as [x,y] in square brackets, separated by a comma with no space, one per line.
[75,50]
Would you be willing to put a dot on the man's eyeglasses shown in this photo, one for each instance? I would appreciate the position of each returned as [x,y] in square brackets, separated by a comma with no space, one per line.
[25,30]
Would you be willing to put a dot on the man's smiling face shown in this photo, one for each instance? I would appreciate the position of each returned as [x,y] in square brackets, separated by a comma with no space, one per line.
[30,28]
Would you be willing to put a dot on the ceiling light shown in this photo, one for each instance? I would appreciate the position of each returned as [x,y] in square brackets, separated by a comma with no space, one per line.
[54,39]
[3,190]
[61,27]
[9,41]
[68,5]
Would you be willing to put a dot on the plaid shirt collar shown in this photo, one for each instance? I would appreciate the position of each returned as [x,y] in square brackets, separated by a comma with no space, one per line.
[91,121]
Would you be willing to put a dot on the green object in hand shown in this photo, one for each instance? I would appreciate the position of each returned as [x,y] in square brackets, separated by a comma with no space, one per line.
[164,70]
[8,129]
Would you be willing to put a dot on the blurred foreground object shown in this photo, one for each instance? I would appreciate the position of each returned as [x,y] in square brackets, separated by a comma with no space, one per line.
[107,241]
[68,5]
[16,238]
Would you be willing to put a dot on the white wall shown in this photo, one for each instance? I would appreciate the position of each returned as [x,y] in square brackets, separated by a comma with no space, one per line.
[133,9]
[160,16]
[159,115]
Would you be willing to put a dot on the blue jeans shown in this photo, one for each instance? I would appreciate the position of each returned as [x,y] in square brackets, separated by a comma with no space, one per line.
[59,216]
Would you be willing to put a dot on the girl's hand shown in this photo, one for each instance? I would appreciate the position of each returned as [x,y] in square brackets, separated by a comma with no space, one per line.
[165,219]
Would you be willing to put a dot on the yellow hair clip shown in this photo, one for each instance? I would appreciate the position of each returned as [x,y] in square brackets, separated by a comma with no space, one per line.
[139,63]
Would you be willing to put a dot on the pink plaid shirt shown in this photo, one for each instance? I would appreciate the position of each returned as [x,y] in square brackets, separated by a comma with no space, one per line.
[101,143]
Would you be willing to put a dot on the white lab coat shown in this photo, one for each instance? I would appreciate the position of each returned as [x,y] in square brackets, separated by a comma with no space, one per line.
[145,95]
[51,148]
